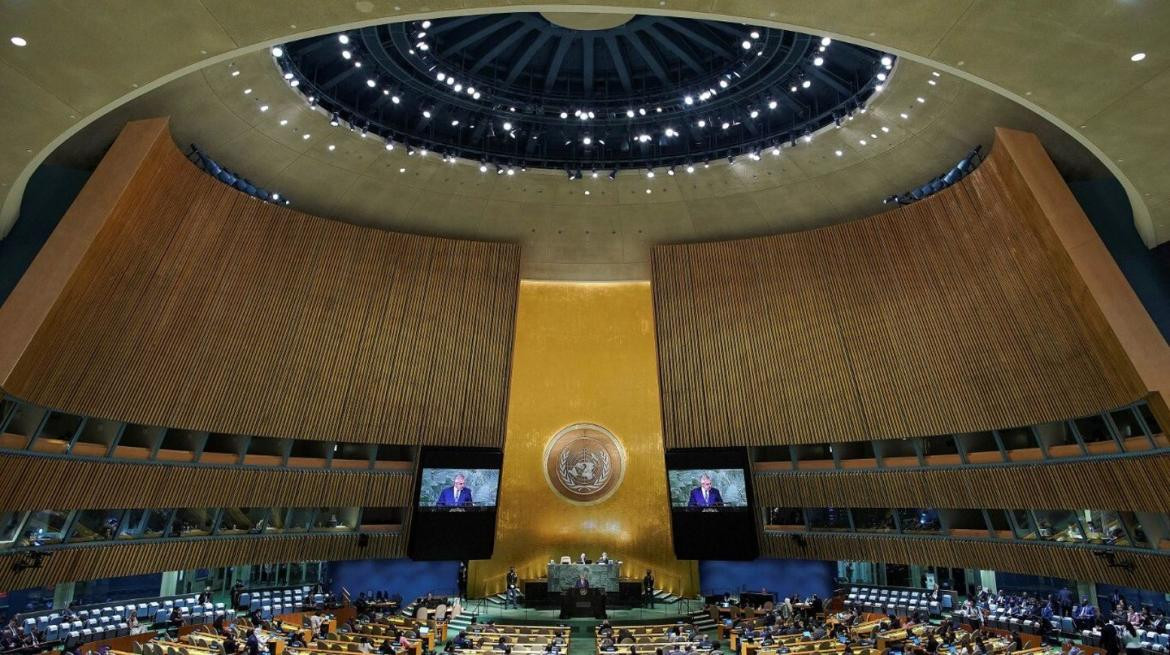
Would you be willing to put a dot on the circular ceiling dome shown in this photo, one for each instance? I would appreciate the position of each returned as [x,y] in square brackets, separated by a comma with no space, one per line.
[522,89]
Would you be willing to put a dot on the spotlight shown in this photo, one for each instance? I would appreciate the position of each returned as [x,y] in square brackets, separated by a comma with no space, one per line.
[690,168]
[1137,56]
[670,132]
[670,171]
[755,34]
[277,51]
[511,171]
[614,173]
[772,104]
[389,145]
[805,84]
[818,61]
[775,151]
[587,141]
[371,83]
[725,125]
[263,107]
[825,41]
[334,121]
[722,84]
[346,54]
[689,100]
[629,113]
[426,113]
[593,174]
[747,45]
[702,123]
[881,77]
[426,24]
[641,112]
[18,41]
[483,168]
[343,38]
[887,61]
[755,113]
[507,126]
[564,114]
[441,76]
[650,172]
[920,99]
[409,151]
[455,123]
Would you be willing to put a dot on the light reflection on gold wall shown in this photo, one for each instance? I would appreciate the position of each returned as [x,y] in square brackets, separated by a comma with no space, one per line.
[584,353]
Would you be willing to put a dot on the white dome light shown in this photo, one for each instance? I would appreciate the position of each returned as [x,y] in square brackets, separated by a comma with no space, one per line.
[511,171]
[587,141]
[371,83]
[284,121]
[747,45]
[564,114]
[641,111]
[343,38]
[277,51]
[881,77]
[690,169]
[722,84]
[263,107]
[776,151]
[288,76]
[483,168]
[507,126]
[887,61]
[629,113]
[689,100]
[920,99]
[395,99]
[649,173]
[826,41]
[458,88]
[702,123]
[819,61]
[18,41]
[772,104]
[346,54]
[1137,56]
[426,24]
[805,84]
[755,34]
[426,113]
[389,146]
[441,76]
[838,153]
[755,113]
[332,147]
[726,125]
[306,136]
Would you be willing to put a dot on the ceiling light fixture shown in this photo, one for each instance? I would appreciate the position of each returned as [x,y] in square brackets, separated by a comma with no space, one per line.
[277,51]
[1137,56]
[343,38]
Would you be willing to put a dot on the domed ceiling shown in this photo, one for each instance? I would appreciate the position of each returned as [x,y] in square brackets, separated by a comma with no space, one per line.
[522,90]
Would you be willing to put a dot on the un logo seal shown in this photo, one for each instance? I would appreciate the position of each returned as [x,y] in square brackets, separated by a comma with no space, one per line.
[584,463]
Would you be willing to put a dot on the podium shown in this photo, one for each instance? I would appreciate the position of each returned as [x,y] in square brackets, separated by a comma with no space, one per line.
[583,603]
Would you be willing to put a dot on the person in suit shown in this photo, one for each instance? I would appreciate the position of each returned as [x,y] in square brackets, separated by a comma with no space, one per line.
[456,495]
[582,582]
[253,642]
[604,559]
[513,582]
[705,495]
[462,581]
[648,588]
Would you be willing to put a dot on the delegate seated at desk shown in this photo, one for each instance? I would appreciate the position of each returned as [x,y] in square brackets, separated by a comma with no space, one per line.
[705,495]
[456,495]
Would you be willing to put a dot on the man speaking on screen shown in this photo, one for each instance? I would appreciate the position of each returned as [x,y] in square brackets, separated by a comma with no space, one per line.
[705,495]
[456,495]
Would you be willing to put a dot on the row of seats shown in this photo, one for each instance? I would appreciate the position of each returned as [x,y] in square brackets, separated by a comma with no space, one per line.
[231,179]
[885,600]
[1152,642]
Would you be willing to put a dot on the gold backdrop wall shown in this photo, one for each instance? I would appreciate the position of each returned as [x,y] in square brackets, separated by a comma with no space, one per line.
[584,353]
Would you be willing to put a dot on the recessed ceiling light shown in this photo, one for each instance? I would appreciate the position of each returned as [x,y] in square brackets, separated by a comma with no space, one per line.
[277,51]
[247,91]
[389,146]
[885,129]
[263,107]
[306,136]
[586,191]
[838,153]
[402,170]
[747,45]
[805,84]
[1137,56]
[754,34]
[935,73]
[819,61]
[332,147]
[426,24]
[863,142]
[826,40]
[647,190]
[346,54]
[343,38]
[235,73]
[18,41]
[921,99]
[887,60]
[931,82]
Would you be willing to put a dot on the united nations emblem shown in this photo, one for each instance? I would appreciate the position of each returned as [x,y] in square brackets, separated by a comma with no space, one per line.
[584,463]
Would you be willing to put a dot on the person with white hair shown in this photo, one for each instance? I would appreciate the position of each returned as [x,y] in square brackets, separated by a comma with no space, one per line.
[705,495]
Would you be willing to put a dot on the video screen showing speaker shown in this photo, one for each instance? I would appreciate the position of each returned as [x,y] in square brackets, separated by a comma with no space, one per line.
[710,504]
[708,490]
[458,489]
[455,504]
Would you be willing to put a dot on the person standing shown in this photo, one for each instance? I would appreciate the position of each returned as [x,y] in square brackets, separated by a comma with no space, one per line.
[462,579]
[513,581]
[648,588]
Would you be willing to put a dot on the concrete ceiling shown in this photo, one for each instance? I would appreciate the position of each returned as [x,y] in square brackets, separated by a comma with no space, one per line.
[1069,61]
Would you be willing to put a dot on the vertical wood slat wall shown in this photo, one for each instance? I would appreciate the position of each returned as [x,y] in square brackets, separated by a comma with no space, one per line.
[114,560]
[36,483]
[199,307]
[1124,484]
[947,315]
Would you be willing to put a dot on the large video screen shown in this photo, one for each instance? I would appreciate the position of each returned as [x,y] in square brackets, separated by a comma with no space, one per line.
[455,493]
[458,488]
[711,494]
[707,489]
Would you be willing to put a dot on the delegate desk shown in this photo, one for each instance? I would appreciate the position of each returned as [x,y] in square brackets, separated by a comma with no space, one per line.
[562,577]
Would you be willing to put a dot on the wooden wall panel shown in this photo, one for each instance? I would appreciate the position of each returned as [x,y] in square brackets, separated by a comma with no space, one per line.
[39,482]
[122,559]
[1072,563]
[200,307]
[948,315]
[1133,483]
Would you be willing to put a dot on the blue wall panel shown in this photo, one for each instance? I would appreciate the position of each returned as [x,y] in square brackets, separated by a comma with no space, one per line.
[402,576]
[783,576]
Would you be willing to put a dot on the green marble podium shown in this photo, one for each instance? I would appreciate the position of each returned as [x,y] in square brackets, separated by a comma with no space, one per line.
[562,577]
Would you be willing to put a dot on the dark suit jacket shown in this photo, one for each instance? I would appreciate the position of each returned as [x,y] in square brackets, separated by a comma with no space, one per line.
[713,498]
[581,584]
[447,497]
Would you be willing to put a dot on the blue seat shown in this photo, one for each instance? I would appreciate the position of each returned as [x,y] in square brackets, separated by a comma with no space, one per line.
[1067,626]
[947,602]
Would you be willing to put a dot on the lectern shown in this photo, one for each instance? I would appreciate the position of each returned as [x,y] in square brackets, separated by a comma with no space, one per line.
[582,603]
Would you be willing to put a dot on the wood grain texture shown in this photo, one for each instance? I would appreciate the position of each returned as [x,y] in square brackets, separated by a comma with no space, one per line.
[1132,483]
[948,315]
[107,561]
[38,482]
[200,307]
[1070,563]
